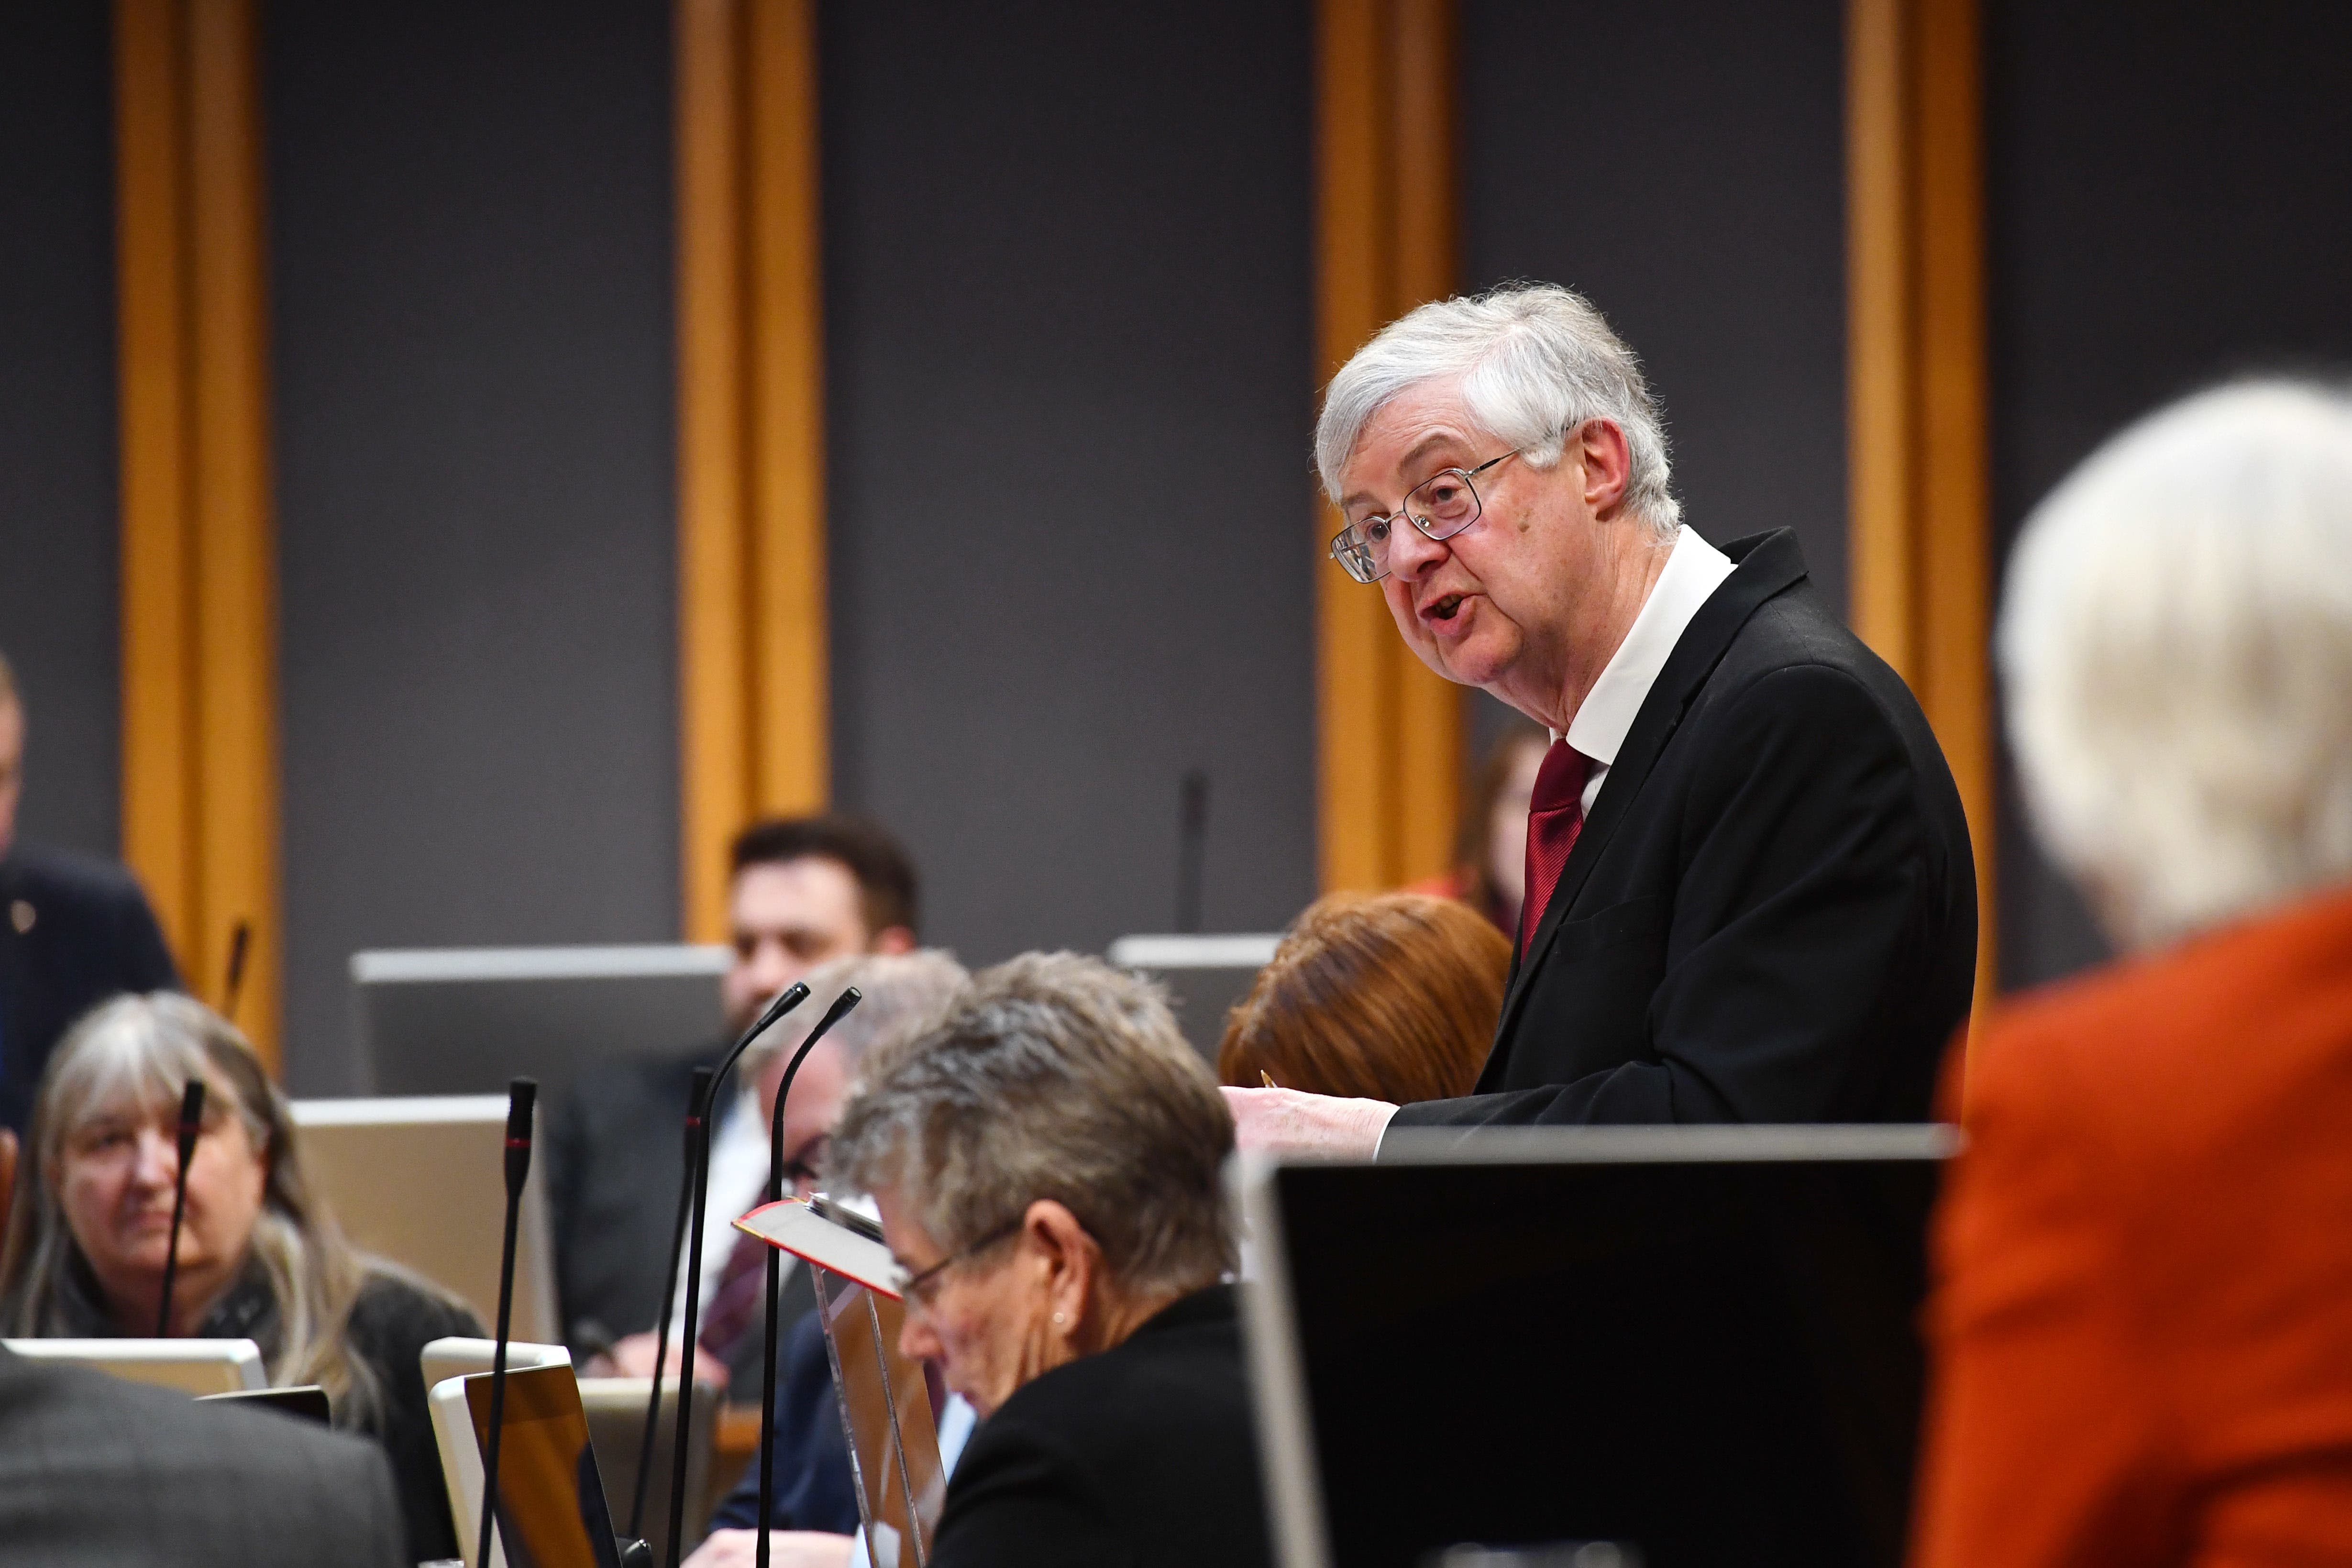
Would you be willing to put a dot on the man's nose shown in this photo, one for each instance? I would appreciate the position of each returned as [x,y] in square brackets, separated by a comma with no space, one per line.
[1413,554]
[915,1340]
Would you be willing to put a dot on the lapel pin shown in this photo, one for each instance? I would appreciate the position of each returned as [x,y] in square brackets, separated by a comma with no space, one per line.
[22,915]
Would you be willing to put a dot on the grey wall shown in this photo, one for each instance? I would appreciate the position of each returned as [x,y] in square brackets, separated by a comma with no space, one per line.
[1681,165]
[2165,206]
[60,530]
[470,239]
[1069,307]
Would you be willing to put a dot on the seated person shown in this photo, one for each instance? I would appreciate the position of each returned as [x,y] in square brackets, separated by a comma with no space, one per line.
[903,993]
[804,891]
[260,1256]
[73,931]
[96,1472]
[2141,1323]
[1392,997]
[1047,1159]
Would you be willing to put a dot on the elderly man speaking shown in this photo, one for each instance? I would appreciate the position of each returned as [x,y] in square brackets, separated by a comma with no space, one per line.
[1750,894]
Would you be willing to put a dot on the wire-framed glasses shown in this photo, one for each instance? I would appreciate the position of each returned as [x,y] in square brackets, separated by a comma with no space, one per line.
[1441,506]
[919,1290]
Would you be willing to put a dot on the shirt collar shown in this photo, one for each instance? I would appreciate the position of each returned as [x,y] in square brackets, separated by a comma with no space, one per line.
[1692,574]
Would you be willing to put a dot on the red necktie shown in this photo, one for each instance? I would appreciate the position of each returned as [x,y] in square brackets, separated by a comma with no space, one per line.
[743,1291]
[1555,816]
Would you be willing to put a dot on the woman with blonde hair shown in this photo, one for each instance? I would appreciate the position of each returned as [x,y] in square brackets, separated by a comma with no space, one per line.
[1393,996]
[260,1256]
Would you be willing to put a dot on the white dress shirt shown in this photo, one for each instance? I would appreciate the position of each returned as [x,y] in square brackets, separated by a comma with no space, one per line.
[737,1185]
[1694,572]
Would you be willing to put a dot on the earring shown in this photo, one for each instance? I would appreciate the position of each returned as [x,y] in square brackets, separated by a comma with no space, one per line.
[1058,1318]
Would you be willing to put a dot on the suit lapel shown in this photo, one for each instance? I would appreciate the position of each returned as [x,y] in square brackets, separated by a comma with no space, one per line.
[1768,563]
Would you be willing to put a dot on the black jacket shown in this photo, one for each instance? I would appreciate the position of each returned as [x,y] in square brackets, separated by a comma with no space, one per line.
[615,1158]
[1142,1456]
[98,1472]
[1770,914]
[73,932]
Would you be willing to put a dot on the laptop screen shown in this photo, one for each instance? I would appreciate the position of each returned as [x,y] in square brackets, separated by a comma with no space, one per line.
[550,1500]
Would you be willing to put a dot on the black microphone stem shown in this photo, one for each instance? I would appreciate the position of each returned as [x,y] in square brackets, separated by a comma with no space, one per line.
[789,998]
[192,1122]
[239,941]
[834,1014]
[702,1077]
[522,1093]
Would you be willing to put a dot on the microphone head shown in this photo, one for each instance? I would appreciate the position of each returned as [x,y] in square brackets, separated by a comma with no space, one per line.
[522,1094]
[192,1108]
[850,997]
[790,997]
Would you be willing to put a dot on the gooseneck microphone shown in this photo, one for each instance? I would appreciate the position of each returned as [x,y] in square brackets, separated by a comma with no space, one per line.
[694,1098]
[1191,847]
[192,1122]
[699,1168]
[522,1093]
[240,943]
[834,1014]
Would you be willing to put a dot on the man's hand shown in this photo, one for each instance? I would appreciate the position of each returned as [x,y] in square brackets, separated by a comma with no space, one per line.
[1284,1121]
[786,1548]
[633,1357]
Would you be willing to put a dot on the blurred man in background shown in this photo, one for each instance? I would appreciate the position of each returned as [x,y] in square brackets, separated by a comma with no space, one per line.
[805,891]
[74,931]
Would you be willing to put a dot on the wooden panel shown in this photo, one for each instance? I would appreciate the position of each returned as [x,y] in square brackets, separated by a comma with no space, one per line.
[752,615]
[158,620]
[200,699]
[1390,741]
[1920,518]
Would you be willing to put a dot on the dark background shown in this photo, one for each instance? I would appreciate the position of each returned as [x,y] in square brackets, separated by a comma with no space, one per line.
[60,529]
[2167,206]
[1069,317]
[470,249]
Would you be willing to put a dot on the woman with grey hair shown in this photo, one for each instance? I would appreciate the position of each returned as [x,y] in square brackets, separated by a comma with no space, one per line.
[2142,1320]
[261,1255]
[1047,1159]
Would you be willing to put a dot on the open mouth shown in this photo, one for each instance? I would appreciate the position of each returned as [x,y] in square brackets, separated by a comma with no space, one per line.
[1445,608]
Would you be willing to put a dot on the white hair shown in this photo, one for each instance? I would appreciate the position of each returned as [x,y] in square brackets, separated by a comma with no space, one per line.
[2176,648]
[1534,361]
[901,994]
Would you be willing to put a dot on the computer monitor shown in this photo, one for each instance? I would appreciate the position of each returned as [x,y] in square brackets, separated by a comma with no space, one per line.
[1697,1341]
[421,1180]
[1205,976]
[192,1366]
[466,1020]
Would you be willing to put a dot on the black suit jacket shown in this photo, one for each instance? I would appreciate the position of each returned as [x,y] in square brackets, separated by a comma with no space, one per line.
[615,1157]
[73,932]
[615,1160]
[96,1472]
[1142,1456]
[1770,914]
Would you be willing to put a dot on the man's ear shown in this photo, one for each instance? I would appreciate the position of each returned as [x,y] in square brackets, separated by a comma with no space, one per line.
[1068,1253]
[1608,464]
[892,940]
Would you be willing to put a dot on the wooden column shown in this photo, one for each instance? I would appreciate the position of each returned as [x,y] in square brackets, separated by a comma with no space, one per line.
[752,564]
[1390,742]
[1920,548]
[199,553]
